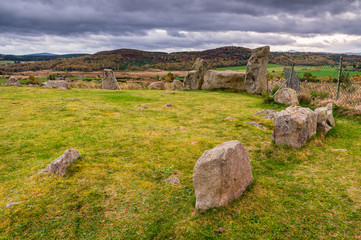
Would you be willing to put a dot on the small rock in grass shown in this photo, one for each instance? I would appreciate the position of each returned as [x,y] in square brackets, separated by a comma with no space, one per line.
[146,104]
[60,164]
[230,118]
[168,105]
[62,88]
[142,109]
[268,114]
[172,180]
[194,142]
[172,92]
[75,99]
[220,230]
[257,125]
[339,150]
[182,128]
[10,204]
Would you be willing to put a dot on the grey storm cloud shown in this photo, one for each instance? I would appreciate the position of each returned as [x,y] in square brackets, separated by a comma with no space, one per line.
[124,17]
[185,23]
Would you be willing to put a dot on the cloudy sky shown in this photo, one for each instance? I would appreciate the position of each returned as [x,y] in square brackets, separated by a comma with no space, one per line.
[89,26]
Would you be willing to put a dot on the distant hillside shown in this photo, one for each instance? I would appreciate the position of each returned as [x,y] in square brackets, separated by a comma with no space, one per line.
[38,57]
[130,59]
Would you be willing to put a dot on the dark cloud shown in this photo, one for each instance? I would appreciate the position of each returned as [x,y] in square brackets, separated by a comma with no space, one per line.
[129,19]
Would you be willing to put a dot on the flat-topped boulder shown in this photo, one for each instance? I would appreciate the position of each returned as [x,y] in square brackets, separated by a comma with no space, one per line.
[256,73]
[109,81]
[159,85]
[224,79]
[221,174]
[294,126]
[60,84]
[286,96]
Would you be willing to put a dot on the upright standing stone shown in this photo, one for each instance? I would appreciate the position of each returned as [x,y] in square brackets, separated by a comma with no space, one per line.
[256,73]
[109,81]
[221,175]
[325,120]
[194,79]
[294,126]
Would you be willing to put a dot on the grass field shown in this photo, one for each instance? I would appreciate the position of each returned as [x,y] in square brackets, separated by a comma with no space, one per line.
[116,190]
[271,67]
[5,62]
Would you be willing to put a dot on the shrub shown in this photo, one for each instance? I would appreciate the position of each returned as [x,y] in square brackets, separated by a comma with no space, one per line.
[33,80]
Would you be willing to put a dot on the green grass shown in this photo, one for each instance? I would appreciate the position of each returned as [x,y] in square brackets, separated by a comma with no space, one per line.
[5,62]
[116,190]
[271,67]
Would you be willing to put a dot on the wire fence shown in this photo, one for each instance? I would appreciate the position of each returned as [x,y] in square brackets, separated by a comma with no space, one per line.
[340,83]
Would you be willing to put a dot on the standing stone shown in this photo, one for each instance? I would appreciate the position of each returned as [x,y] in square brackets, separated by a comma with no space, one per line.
[109,81]
[256,73]
[60,164]
[294,126]
[224,79]
[13,81]
[157,85]
[177,85]
[286,96]
[194,79]
[221,175]
[325,120]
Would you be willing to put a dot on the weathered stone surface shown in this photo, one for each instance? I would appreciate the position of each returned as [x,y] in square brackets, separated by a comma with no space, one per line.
[286,96]
[10,204]
[60,164]
[109,81]
[268,114]
[61,84]
[221,175]
[330,119]
[177,85]
[194,79]
[157,85]
[224,79]
[257,125]
[229,118]
[325,119]
[172,180]
[256,72]
[339,150]
[168,105]
[294,126]
[13,81]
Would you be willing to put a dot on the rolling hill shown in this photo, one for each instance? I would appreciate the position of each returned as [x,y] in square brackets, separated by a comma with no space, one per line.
[131,59]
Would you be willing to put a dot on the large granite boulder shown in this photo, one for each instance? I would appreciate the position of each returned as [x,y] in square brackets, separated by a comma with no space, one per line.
[286,96]
[294,126]
[256,73]
[60,84]
[194,79]
[157,85]
[109,81]
[60,164]
[13,81]
[325,120]
[177,85]
[221,175]
[224,79]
